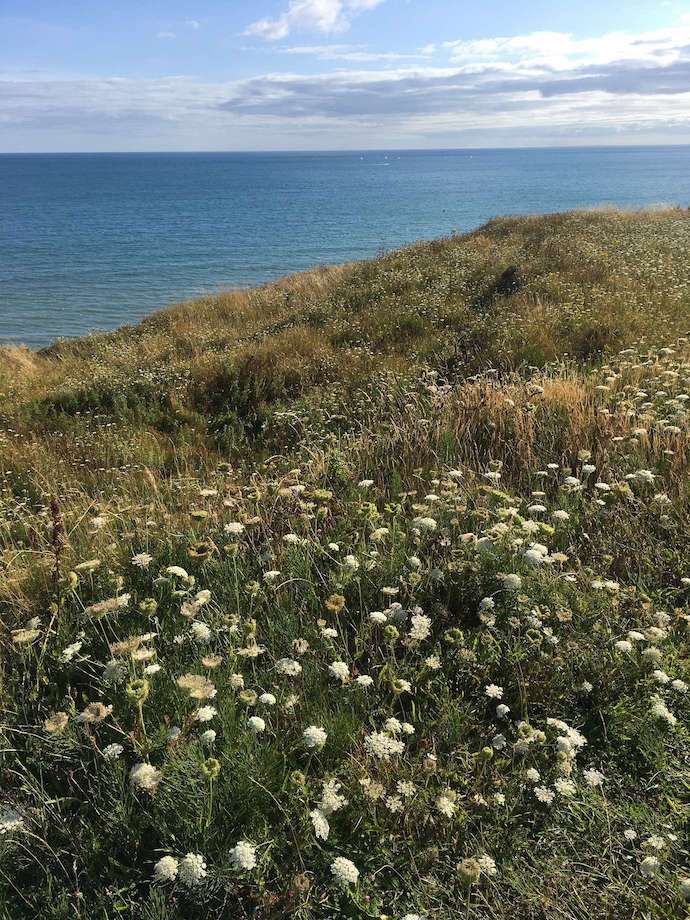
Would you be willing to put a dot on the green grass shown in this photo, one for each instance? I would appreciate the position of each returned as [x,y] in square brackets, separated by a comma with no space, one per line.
[518,400]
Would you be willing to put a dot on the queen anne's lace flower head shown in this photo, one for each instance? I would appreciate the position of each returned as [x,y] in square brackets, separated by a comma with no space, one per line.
[192,869]
[594,778]
[112,751]
[314,738]
[146,777]
[344,871]
[320,822]
[166,869]
[256,724]
[382,745]
[288,666]
[205,713]
[243,856]
[340,671]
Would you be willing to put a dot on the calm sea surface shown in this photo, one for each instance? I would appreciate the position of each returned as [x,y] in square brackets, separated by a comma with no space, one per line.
[93,241]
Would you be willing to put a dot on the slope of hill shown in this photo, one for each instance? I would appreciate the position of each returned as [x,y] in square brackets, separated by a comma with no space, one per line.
[362,594]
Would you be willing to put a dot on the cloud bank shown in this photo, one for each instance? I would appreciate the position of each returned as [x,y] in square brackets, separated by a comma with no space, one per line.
[313,15]
[530,89]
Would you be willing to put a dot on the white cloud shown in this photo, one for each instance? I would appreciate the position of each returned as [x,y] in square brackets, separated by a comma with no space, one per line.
[312,15]
[561,51]
[193,23]
[351,53]
[166,35]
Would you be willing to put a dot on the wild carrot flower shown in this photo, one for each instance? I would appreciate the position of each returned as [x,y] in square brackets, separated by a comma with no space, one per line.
[177,571]
[198,686]
[142,561]
[340,671]
[420,628]
[94,713]
[192,869]
[469,871]
[243,856]
[344,871]
[331,799]
[108,606]
[112,751]
[314,738]
[382,745]
[166,869]
[205,713]
[511,582]
[661,711]
[565,787]
[320,823]
[594,778]
[201,633]
[70,651]
[146,777]
[446,803]
[545,796]
[234,528]
[488,864]
[288,666]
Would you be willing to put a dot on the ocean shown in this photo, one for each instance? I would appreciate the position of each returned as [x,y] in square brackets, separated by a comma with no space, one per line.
[92,241]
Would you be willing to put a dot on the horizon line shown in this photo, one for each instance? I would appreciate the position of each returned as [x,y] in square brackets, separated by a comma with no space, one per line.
[341,150]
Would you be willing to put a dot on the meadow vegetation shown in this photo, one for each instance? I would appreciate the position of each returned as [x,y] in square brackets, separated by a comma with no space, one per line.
[362,594]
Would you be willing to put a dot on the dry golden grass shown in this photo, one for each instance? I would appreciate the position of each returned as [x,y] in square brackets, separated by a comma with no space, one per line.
[18,362]
[208,376]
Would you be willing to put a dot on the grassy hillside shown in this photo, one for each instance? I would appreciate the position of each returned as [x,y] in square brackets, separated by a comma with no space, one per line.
[365,593]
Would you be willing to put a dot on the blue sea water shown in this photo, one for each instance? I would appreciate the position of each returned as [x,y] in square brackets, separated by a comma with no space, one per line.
[92,241]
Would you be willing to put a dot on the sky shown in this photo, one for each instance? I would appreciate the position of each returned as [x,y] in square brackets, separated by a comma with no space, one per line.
[166,75]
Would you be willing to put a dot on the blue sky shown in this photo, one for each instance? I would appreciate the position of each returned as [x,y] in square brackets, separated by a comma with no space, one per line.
[338,74]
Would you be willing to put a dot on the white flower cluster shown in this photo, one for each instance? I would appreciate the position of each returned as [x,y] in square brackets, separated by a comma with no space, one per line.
[243,856]
[192,869]
[314,738]
[146,777]
[344,871]
[383,746]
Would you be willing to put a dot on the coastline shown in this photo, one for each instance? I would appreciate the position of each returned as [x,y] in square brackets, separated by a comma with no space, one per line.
[106,242]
